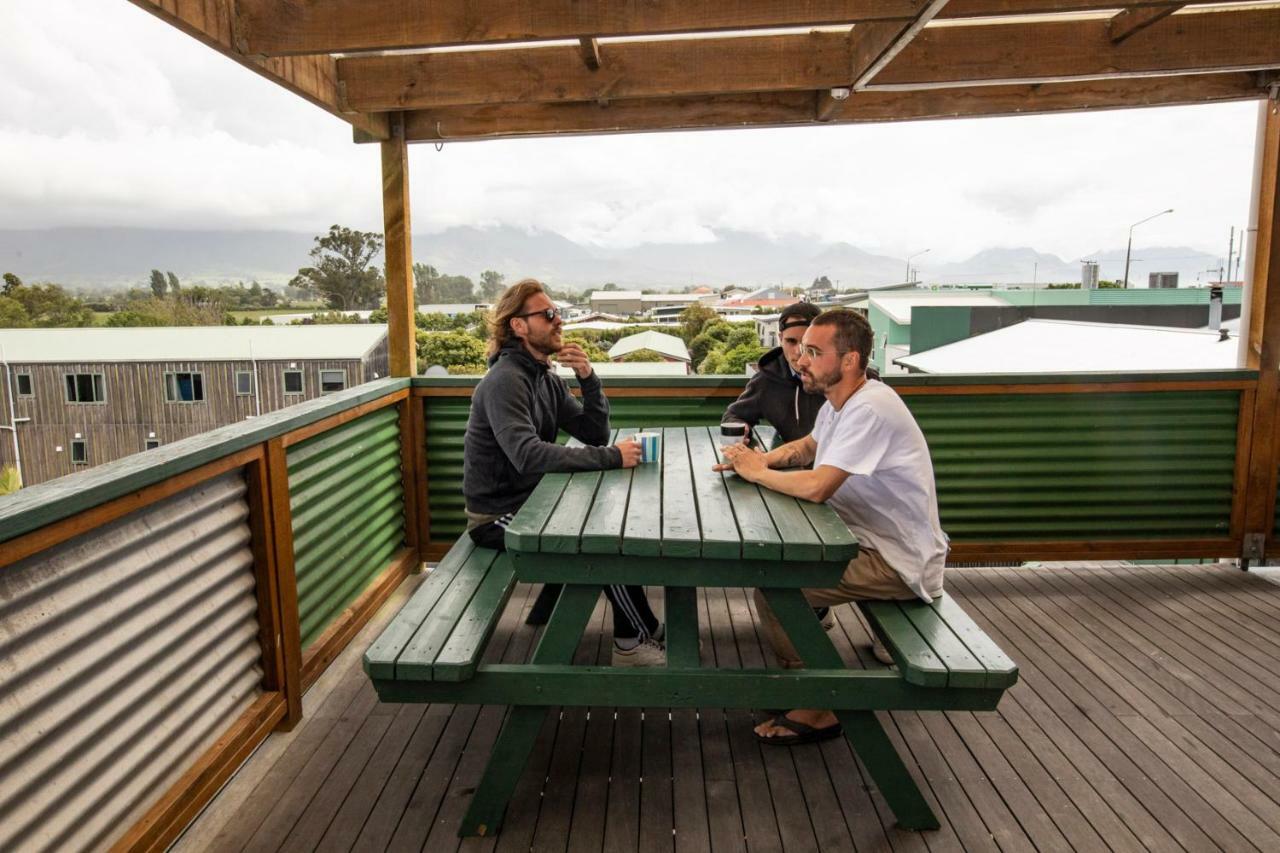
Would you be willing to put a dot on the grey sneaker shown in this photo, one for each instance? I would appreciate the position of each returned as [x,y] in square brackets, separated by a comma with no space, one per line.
[648,652]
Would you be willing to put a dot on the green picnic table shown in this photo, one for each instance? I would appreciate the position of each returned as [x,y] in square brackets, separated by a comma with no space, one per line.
[679,525]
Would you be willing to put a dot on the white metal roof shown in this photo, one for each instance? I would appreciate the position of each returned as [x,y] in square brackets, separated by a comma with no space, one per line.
[614,295]
[673,297]
[619,369]
[189,343]
[898,306]
[668,345]
[599,324]
[1062,346]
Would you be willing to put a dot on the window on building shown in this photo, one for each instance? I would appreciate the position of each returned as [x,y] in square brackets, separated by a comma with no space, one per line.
[244,383]
[293,382]
[153,443]
[79,451]
[86,388]
[184,387]
[24,385]
[332,380]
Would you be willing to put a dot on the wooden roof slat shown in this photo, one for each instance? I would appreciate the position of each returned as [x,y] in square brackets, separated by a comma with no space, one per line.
[781,109]
[287,27]
[1227,40]
[876,44]
[1131,21]
[314,78]
[943,56]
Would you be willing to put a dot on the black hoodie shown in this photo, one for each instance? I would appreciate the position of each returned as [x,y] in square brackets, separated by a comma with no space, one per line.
[776,395]
[516,411]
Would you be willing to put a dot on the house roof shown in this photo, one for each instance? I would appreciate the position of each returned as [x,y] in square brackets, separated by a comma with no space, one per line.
[615,295]
[898,305]
[668,345]
[190,343]
[1061,346]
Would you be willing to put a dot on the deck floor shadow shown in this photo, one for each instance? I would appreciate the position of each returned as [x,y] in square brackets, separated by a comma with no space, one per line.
[1147,717]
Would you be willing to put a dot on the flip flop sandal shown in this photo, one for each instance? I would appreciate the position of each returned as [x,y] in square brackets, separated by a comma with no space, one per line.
[803,733]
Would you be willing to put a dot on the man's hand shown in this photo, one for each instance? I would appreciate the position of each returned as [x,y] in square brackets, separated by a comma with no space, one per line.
[631,452]
[743,461]
[573,356]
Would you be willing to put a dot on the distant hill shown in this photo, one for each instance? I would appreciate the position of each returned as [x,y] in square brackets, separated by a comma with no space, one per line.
[120,257]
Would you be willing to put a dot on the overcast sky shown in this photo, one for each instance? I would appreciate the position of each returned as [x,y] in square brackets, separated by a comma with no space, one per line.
[108,116]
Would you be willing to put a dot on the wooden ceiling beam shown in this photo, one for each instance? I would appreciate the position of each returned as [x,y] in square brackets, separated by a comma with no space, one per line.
[1133,21]
[314,78]
[938,56]
[783,109]
[1234,40]
[876,44]
[289,27]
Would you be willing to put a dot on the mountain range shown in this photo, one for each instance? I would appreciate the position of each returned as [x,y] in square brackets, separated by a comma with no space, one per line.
[122,257]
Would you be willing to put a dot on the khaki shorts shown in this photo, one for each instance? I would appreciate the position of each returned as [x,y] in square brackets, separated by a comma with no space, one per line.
[867,578]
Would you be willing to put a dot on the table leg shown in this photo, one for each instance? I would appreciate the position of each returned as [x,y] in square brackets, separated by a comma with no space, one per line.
[511,751]
[682,627]
[861,728]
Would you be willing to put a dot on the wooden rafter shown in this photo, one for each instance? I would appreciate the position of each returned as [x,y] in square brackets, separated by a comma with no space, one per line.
[942,56]
[589,49]
[876,44]
[285,27]
[1132,21]
[782,109]
[314,78]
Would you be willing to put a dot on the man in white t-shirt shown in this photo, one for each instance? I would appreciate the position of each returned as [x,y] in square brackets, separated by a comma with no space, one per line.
[870,463]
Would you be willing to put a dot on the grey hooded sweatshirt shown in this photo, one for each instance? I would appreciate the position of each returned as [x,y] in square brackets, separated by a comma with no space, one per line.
[516,412]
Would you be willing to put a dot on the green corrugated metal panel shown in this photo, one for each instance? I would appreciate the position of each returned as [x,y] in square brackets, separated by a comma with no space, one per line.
[1009,467]
[1082,466]
[347,500]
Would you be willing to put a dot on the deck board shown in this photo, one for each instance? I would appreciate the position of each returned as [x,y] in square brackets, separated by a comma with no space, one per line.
[1147,717]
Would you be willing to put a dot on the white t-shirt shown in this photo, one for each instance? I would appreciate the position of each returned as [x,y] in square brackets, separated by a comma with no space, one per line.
[890,501]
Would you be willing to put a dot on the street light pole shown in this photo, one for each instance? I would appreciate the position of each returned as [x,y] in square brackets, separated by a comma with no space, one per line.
[912,257]
[1129,249]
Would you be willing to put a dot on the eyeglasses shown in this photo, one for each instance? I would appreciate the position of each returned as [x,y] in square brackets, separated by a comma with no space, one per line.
[813,354]
[551,314]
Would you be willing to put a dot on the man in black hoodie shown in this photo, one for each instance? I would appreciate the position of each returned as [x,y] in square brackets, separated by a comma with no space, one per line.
[516,411]
[775,393]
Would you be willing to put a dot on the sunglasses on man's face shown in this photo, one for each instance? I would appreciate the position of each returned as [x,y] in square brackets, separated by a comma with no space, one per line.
[550,314]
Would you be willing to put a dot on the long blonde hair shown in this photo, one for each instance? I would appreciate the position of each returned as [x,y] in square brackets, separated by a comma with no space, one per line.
[507,307]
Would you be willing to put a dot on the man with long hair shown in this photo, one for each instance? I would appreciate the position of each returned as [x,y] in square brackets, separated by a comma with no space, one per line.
[516,412]
[870,463]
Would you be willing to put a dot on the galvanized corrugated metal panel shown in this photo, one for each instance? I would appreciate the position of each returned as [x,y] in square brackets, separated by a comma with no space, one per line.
[347,500]
[1030,467]
[447,422]
[1082,466]
[124,653]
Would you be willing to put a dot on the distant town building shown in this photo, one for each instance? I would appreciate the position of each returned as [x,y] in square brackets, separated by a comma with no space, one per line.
[765,297]
[1089,275]
[1162,280]
[668,347]
[74,398]
[617,301]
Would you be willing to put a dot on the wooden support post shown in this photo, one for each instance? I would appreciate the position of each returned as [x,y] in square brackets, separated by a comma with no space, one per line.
[264,566]
[399,251]
[1263,344]
[286,581]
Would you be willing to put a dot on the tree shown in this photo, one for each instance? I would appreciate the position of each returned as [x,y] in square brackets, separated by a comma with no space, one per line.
[593,350]
[693,319]
[735,360]
[159,286]
[342,273]
[12,314]
[424,277]
[645,355]
[822,283]
[491,284]
[49,306]
[455,351]
[455,288]
[433,322]
[176,311]
[174,288]
[11,283]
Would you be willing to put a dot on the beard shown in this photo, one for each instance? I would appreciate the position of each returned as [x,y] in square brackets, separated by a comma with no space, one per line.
[818,383]
[548,342]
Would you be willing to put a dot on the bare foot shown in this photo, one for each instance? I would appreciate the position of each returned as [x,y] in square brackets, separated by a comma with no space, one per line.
[811,718]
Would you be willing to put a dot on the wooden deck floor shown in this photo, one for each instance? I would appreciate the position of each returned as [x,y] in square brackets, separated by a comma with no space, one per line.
[1147,717]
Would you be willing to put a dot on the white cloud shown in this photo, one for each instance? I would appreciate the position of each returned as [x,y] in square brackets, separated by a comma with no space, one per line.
[110,116]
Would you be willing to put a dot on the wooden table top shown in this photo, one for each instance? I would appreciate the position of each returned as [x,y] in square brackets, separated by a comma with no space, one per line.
[676,507]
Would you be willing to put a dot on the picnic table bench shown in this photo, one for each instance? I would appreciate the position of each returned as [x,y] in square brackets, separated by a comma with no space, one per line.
[679,525]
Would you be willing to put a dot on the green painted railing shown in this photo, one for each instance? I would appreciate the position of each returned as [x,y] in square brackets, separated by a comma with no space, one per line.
[346,496]
[1088,464]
